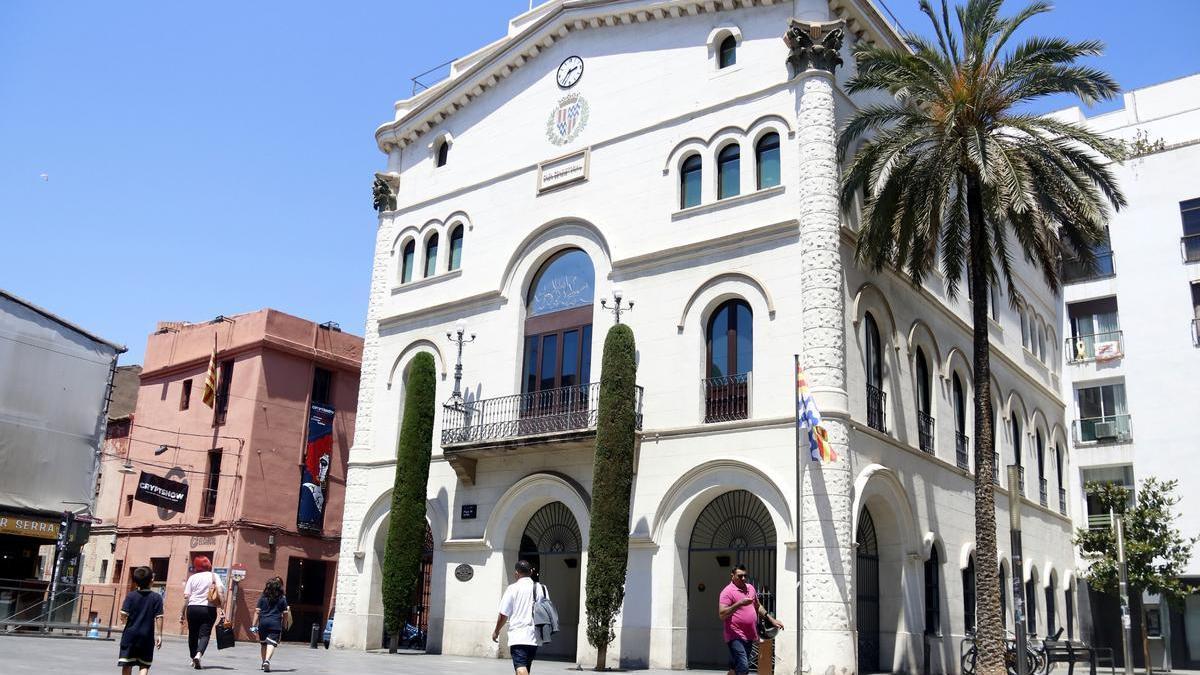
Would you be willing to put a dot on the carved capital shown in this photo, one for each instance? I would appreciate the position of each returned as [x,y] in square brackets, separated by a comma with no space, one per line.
[814,44]
[384,191]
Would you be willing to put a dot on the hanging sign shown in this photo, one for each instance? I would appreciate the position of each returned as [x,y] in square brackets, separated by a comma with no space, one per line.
[162,492]
[314,473]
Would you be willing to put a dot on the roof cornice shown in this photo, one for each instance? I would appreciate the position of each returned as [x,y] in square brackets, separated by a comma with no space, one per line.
[538,30]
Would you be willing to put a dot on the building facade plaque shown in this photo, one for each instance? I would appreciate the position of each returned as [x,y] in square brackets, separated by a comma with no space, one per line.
[464,572]
[563,171]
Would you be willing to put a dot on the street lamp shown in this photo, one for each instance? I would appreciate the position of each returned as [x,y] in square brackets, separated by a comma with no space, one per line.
[457,336]
[616,308]
[1018,575]
[1118,525]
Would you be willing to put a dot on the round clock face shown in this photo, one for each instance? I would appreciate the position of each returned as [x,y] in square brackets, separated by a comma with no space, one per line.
[570,71]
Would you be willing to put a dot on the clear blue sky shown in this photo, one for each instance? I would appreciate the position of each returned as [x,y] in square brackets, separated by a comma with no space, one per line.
[215,158]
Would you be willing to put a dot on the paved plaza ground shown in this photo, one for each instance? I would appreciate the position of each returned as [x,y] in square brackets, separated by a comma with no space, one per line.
[64,656]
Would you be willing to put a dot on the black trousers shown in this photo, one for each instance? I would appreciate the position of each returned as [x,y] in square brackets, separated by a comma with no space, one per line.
[200,620]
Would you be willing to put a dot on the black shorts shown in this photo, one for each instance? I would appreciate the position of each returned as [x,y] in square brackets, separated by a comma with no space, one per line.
[522,656]
[137,653]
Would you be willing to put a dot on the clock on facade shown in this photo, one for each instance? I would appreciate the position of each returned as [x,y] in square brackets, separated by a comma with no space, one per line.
[569,71]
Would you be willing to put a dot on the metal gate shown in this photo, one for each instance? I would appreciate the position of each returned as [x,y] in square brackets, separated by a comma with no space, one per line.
[553,544]
[735,528]
[866,583]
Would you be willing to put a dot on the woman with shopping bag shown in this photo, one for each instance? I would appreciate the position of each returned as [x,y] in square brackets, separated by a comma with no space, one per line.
[203,593]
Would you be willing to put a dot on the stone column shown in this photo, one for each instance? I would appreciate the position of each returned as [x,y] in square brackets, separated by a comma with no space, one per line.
[826,546]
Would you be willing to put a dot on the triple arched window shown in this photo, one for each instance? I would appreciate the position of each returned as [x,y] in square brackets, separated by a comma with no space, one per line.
[767,168]
[427,260]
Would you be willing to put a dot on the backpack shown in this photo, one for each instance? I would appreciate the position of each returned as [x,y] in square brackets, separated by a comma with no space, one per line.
[545,616]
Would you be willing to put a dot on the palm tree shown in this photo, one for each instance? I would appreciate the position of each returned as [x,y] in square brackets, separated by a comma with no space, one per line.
[952,170]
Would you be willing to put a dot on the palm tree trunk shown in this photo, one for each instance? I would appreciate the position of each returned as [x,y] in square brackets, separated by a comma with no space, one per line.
[989,632]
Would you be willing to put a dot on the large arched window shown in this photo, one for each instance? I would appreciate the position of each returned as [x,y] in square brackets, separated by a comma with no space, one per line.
[1058,476]
[558,333]
[1016,442]
[1050,608]
[933,592]
[874,363]
[729,169]
[924,403]
[689,182]
[766,160]
[431,251]
[407,260]
[1041,467]
[968,578]
[727,56]
[1031,604]
[1069,607]
[456,244]
[729,359]
[960,421]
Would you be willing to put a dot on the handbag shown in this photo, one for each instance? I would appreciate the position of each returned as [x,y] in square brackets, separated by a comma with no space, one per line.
[545,616]
[214,593]
[225,638]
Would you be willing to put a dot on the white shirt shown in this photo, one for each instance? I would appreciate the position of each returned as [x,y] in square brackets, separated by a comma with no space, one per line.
[517,605]
[197,585]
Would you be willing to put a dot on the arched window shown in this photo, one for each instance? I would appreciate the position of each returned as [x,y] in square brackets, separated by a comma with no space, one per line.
[1003,596]
[1058,476]
[456,243]
[1069,607]
[874,363]
[766,156]
[729,359]
[689,182]
[968,577]
[1041,466]
[924,403]
[443,152]
[1031,604]
[1024,326]
[431,251]
[558,334]
[933,591]
[1016,441]
[960,421]
[729,163]
[407,260]
[727,55]
[1050,607]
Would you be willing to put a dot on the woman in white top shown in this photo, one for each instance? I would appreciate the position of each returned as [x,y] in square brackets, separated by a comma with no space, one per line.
[199,612]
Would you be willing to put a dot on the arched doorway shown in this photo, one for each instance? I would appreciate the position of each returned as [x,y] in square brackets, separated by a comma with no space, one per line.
[866,584]
[734,528]
[553,544]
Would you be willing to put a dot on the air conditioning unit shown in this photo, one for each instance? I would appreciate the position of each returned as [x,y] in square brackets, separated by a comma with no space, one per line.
[1106,430]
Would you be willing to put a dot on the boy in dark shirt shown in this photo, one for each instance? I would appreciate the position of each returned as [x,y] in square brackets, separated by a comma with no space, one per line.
[143,614]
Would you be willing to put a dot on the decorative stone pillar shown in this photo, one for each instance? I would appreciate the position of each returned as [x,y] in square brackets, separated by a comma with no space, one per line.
[826,596]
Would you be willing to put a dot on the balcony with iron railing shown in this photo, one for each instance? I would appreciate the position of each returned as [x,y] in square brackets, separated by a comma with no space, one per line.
[726,398]
[876,416]
[961,453]
[564,417]
[925,432]
[1106,429]
[1097,347]
[1189,247]
[1062,501]
[1074,271]
[208,504]
[1099,521]
[996,468]
[1043,495]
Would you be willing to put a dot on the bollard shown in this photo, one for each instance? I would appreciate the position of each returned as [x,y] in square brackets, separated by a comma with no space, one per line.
[94,630]
[316,636]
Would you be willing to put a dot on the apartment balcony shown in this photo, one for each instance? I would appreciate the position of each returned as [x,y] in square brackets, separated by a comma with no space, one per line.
[1189,247]
[1099,347]
[925,432]
[1043,496]
[961,452]
[1107,429]
[1073,271]
[1062,501]
[1099,521]
[559,419]
[876,415]
[726,398]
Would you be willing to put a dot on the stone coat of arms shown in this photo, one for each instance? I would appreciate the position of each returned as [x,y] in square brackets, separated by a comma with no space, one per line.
[567,120]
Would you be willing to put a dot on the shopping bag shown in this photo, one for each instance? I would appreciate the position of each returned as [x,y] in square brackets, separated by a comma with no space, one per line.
[224,634]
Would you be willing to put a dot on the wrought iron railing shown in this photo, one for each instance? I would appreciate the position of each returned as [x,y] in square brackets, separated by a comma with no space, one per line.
[1107,429]
[1062,501]
[996,468]
[925,432]
[1074,271]
[540,412]
[208,504]
[1189,246]
[1021,479]
[1043,497]
[1096,347]
[961,443]
[876,416]
[726,398]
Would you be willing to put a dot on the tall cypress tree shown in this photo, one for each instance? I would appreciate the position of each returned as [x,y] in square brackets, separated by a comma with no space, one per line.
[608,543]
[406,531]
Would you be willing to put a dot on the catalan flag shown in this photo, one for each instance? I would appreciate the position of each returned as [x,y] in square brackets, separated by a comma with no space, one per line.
[210,380]
[808,417]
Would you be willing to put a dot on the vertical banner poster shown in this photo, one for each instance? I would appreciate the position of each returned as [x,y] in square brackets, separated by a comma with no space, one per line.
[314,474]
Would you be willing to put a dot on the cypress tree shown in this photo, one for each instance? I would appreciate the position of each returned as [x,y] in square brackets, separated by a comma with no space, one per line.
[608,542]
[406,530]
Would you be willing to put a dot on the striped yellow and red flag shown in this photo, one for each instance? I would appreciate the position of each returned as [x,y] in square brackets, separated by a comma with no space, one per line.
[210,379]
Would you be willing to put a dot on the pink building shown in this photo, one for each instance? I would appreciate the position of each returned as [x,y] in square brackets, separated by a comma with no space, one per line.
[243,460]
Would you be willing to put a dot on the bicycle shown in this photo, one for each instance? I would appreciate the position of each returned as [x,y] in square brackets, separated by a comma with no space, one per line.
[1035,655]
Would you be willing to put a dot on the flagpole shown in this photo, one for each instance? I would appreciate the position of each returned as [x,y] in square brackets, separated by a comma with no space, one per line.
[799,523]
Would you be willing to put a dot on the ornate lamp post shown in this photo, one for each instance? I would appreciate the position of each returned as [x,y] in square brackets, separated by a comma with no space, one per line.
[617,309]
[457,336]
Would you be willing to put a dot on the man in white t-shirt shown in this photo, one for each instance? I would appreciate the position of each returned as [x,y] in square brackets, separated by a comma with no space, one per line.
[516,608]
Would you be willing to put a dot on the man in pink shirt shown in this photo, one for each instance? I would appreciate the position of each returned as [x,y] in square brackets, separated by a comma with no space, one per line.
[739,609]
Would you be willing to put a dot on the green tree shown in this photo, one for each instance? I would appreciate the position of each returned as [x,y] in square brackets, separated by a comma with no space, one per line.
[608,541]
[406,529]
[951,171]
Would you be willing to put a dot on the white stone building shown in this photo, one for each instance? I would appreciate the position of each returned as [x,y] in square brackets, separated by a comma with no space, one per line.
[687,156]
[1132,371]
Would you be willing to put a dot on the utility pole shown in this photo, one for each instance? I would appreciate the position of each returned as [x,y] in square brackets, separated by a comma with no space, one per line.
[1126,624]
